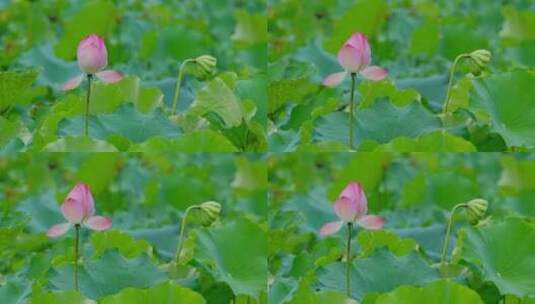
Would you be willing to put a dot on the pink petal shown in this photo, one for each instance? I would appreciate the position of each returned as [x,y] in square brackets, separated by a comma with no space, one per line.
[72,83]
[350,59]
[82,193]
[330,228]
[371,222]
[92,54]
[360,42]
[346,210]
[109,76]
[73,211]
[58,230]
[98,223]
[355,193]
[374,73]
[334,79]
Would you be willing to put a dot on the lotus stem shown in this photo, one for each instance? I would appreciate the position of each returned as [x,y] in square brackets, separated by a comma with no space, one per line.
[351,108]
[450,81]
[348,260]
[86,120]
[76,256]
[448,233]
[182,232]
[179,83]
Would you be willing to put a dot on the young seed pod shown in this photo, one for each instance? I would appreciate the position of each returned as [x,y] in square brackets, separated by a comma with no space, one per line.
[203,66]
[211,211]
[481,57]
[476,209]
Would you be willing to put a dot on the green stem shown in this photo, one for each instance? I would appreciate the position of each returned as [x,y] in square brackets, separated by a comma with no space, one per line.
[448,233]
[86,121]
[182,232]
[351,105]
[178,83]
[76,254]
[450,82]
[348,260]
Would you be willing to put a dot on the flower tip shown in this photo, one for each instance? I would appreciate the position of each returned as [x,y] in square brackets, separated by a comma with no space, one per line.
[93,37]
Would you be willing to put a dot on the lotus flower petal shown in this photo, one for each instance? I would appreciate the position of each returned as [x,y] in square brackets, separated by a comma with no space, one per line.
[73,211]
[371,222]
[72,83]
[92,54]
[58,230]
[346,210]
[98,223]
[355,194]
[109,76]
[82,193]
[355,54]
[331,228]
[350,59]
[374,73]
[334,79]
[360,42]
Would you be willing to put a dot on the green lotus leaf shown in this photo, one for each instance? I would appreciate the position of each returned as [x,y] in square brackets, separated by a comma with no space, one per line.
[237,249]
[370,240]
[79,144]
[61,297]
[439,292]
[14,86]
[194,142]
[380,272]
[506,98]
[125,121]
[107,275]
[219,98]
[517,176]
[435,141]
[381,122]
[504,253]
[163,293]
[127,245]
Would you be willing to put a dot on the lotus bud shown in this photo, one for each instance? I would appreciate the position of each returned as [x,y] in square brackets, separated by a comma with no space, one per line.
[211,211]
[476,209]
[204,66]
[92,54]
[481,57]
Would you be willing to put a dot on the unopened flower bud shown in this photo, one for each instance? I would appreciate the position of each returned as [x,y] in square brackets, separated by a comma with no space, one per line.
[476,209]
[481,57]
[207,63]
[211,211]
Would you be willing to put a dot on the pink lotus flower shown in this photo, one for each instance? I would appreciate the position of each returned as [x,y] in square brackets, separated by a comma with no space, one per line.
[352,207]
[355,57]
[92,58]
[79,209]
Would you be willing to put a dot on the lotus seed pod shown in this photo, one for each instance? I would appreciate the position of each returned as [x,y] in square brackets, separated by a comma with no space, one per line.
[207,63]
[481,57]
[476,209]
[211,211]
